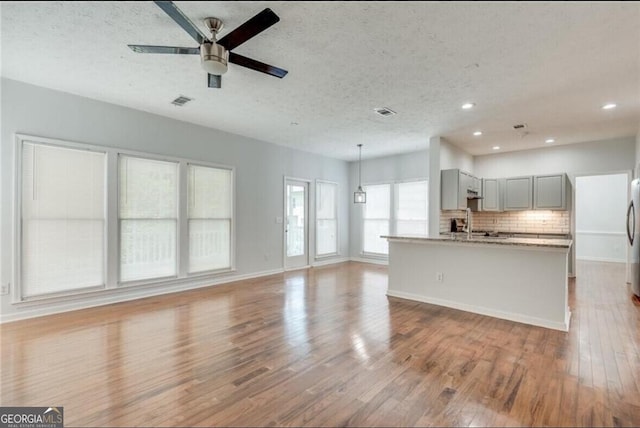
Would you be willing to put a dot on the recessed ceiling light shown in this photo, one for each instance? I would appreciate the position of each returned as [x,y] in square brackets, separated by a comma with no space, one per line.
[467,106]
[496,147]
[609,106]
[549,140]
[477,133]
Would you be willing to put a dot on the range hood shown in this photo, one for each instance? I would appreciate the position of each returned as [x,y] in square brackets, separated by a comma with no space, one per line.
[473,194]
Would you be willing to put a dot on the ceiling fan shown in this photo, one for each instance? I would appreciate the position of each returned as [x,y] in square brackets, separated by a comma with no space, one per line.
[216,54]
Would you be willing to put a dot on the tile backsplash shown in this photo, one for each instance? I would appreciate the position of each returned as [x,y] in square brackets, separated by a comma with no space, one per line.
[512,221]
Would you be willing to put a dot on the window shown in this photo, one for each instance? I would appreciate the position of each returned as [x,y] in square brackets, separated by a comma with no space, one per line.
[326,218]
[170,218]
[63,219]
[376,216]
[412,208]
[209,217]
[148,218]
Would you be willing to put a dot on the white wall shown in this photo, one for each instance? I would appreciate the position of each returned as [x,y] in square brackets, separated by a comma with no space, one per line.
[451,157]
[406,166]
[601,203]
[260,168]
[435,144]
[591,157]
[637,169]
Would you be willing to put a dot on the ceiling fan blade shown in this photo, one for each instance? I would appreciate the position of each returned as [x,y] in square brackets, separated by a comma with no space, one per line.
[215,81]
[252,27]
[164,49]
[257,65]
[176,14]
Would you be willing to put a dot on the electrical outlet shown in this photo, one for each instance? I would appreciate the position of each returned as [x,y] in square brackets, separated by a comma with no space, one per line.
[4,289]
[439,276]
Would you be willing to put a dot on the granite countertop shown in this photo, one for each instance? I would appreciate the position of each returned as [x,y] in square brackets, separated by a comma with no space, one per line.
[448,238]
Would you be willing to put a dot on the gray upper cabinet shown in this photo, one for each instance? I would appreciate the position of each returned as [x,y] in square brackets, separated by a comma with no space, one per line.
[477,185]
[491,194]
[540,192]
[455,187]
[451,196]
[518,192]
[550,192]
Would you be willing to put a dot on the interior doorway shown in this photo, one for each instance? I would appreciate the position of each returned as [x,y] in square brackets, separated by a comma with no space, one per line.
[600,217]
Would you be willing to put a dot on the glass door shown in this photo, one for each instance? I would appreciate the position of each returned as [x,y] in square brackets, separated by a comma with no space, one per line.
[296,229]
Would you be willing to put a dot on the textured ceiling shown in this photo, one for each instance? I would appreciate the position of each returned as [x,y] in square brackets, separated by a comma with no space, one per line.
[548,64]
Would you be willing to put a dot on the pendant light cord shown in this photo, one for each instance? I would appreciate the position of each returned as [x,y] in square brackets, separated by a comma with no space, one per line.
[360,167]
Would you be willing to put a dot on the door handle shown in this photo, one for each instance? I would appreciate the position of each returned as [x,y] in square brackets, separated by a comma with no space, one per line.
[631,210]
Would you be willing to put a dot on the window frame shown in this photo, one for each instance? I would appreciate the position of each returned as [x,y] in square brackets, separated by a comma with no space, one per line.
[134,282]
[232,229]
[335,213]
[396,202]
[17,292]
[112,232]
[393,208]
[370,254]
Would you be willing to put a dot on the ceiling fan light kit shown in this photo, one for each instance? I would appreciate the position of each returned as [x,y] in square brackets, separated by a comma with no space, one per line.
[215,55]
[214,58]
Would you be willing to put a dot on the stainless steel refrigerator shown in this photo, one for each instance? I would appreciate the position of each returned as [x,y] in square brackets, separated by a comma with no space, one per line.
[633,234]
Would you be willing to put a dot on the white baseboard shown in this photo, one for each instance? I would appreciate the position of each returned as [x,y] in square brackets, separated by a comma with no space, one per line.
[372,261]
[562,326]
[118,295]
[291,269]
[329,261]
[600,259]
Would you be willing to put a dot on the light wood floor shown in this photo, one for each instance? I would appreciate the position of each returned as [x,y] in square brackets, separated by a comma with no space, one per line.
[326,347]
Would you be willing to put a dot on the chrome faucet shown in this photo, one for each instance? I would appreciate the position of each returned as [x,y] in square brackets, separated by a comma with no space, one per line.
[467,222]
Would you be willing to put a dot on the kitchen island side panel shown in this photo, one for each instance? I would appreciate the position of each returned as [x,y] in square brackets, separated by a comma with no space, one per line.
[519,283]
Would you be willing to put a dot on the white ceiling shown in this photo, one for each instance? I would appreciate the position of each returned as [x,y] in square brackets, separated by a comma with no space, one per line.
[548,64]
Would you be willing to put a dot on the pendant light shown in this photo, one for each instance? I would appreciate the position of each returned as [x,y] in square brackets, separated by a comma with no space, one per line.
[359,196]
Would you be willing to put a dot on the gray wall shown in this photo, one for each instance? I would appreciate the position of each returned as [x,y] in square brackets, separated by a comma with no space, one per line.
[260,167]
[407,166]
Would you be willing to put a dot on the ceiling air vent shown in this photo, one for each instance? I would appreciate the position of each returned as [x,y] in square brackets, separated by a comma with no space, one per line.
[384,111]
[181,100]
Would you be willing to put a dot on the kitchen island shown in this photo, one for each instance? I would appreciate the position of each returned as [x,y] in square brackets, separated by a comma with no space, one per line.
[518,279]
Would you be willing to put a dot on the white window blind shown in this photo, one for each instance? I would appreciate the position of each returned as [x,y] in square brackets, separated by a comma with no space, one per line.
[412,208]
[376,215]
[209,217]
[63,219]
[326,219]
[148,195]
